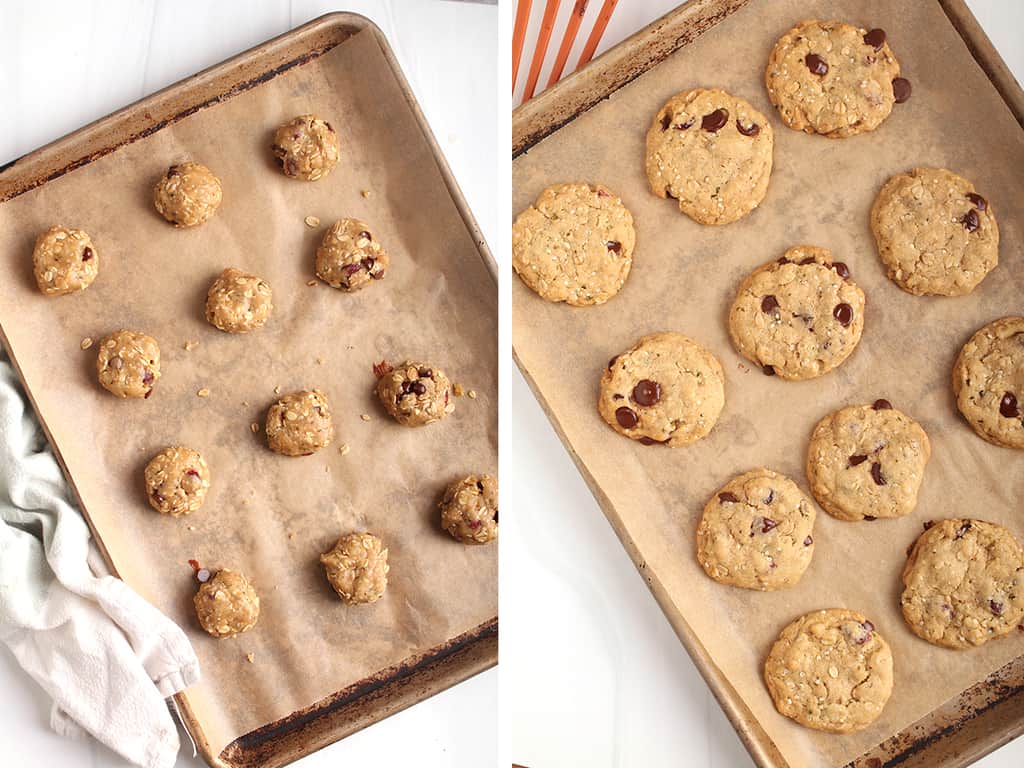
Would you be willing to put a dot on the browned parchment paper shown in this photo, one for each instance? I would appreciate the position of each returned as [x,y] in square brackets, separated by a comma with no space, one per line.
[684,278]
[266,515]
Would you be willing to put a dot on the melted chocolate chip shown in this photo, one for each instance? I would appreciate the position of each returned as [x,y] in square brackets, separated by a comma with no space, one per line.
[996,607]
[626,417]
[418,388]
[876,474]
[728,497]
[782,260]
[843,313]
[651,441]
[767,524]
[841,269]
[882,405]
[769,304]
[808,541]
[748,130]
[350,269]
[1008,406]
[614,246]
[612,362]
[928,524]
[425,373]
[684,126]
[870,518]
[970,220]
[901,89]
[714,122]
[666,121]
[808,260]
[816,64]
[859,458]
[963,529]
[367,264]
[767,370]
[977,201]
[495,515]
[647,392]
[87,254]
[875,38]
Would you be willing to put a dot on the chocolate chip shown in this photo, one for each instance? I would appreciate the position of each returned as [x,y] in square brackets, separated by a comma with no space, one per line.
[767,370]
[612,362]
[752,130]
[728,497]
[406,386]
[857,459]
[684,126]
[977,201]
[614,246]
[808,541]
[366,234]
[290,167]
[495,515]
[996,607]
[714,122]
[647,392]
[329,128]
[928,524]
[147,377]
[87,254]
[806,261]
[870,518]
[1008,406]
[425,373]
[875,38]
[418,388]
[771,496]
[202,575]
[841,269]
[843,313]
[651,441]
[963,529]
[782,260]
[816,64]
[876,474]
[626,417]
[970,220]
[769,304]
[882,405]
[351,269]
[764,523]
[901,89]
[173,171]
[368,264]
[666,121]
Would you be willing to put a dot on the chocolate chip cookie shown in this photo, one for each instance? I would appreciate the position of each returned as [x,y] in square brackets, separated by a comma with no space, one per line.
[756,532]
[64,261]
[238,302]
[177,480]
[357,568]
[128,364]
[187,195]
[350,257]
[415,394]
[575,244]
[963,583]
[935,234]
[306,148]
[666,389]
[227,604]
[988,381]
[798,317]
[712,153]
[834,79]
[299,424]
[469,509]
[867,461]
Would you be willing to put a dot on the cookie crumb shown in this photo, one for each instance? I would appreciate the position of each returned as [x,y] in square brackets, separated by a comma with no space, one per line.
[254,427]
[190,345]
[204,392]
[245,403]
[365,193]
[277,390]
[86,342]
[250,657]
[319,361]
[343,449]
[291,535]
[364,416]
[457,390]
[472,394]
[312,222]
[311,283]
[191,527]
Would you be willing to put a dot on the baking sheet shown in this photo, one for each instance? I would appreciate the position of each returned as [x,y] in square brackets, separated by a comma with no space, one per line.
[684,278]
[269,516]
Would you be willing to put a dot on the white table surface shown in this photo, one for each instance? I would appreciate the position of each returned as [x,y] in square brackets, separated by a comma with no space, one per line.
[599,678]
[68,63]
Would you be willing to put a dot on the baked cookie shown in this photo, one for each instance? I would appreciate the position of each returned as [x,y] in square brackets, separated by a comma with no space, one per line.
[798,317]
[988,381]
[187,195]
[350,257]
[357,568]
[575,244]
[177,480]
[712,153]
[830,670]
[835,79]
[963,583]
[306,148]
[756,532]
[469,509]
[414,393]
[299,424]
[867,461]
[238,302]
[128,364]
[227,604]
[666,389]
[935,234]
[64,261]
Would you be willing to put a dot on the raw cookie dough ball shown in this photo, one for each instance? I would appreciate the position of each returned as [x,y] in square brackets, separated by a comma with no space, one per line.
[187,195]
[300,424]
[357,568]
[350,257]
[414,393]
[238,302]
[128,364]
[177,480]
[227,604]
[469,509]
[988,380]
[306,148]
[64,261]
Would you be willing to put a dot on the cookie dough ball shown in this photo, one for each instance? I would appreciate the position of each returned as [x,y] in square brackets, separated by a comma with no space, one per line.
[963,583]
[238,302]
[177,480]
[867,461]
[64,261]
[988,380]
[935,234]
[128,364]
[798,317]
[667,389]
[830,670]
[469,509]
[227,604]
[306,148]
[187,195]
[756,532]
[357,568]
[300,424]
[712,153]
[575,244]
[834,79]
[414,393]
[350,257]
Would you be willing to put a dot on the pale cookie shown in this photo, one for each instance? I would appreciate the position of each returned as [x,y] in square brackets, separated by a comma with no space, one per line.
[830,670]
[988,381]
[238,302]
[831,78]
[712,153]
[963,583]
[357,568]
[414,393]
[299,424]
[935,234]
[64,261]
[306,148]
[187,195]
[666,389]
[575,244]
[227,604]
[469,509]
[867,461]
[350,257]
[798,317]
[177,480]
[128,364]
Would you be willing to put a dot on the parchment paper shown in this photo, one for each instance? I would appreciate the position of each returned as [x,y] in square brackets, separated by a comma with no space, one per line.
[270,516]
[684,278]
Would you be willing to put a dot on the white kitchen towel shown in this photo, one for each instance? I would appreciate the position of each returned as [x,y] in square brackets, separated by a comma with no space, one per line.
[106,656]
